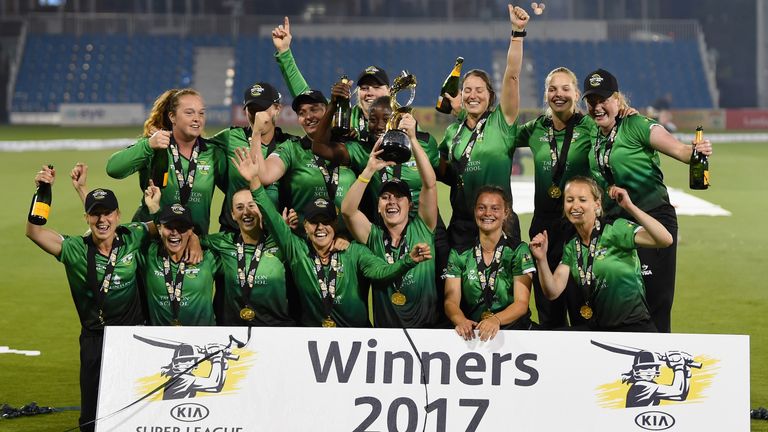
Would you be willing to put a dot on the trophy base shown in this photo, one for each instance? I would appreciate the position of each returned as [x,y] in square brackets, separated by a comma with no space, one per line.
[395,146]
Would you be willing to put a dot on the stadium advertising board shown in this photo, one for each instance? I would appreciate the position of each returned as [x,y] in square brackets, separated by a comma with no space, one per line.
[295,379]
[101,114]
[747,119]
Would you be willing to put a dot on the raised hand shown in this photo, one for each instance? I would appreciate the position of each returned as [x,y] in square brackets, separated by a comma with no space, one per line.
[45,175]
[161,139]
[375,164]
[539,245]
[79,175]
[246,165]
[281,36]
[152,196]
[341,89]
[518,17]
[621,196]
[291,218]
[408,124]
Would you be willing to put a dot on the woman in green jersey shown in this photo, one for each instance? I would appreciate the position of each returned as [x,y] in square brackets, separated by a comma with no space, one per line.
[488,283]
[478,151]
[410,301]
[626,154]
[330,293]
[175,126]
[101,270]
[603,258]
[179,292]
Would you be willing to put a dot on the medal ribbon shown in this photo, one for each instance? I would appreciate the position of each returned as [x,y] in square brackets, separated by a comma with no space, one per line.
[331,177]
[327,280]
[586,276]
[559,160]
[174,287]
[389,252]
[477,133]
[100,289]
[603,161]
[185,186]
[246,283]
[489,285]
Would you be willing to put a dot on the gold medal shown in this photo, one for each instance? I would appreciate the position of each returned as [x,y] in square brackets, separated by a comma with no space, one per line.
[329,322]
[247,314]
[586,312]
[175,322]
[398,298]
[486,314]
[554,192]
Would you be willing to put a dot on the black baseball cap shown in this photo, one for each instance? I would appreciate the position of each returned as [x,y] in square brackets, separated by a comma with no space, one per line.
[261,95]
[308,97]
[396,186]
[176,215]
[374,73]
[319,210]
[600,82]
[103,198]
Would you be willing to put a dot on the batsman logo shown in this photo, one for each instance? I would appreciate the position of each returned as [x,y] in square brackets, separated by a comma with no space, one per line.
[655,378]
[194,371]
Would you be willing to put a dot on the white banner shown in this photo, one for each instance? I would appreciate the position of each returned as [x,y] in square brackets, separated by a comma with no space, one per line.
[101,114]
[307,379]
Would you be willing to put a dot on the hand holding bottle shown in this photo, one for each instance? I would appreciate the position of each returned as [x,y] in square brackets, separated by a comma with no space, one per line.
[161,139]
[46,175]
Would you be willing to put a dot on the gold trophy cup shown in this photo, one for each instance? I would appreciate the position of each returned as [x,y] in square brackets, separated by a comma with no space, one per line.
[395,145]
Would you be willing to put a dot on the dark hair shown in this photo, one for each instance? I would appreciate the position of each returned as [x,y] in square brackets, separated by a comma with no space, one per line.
[380,102]
[483,75]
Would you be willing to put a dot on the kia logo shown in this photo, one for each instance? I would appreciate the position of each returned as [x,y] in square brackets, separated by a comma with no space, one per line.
[654,420]
[189,412]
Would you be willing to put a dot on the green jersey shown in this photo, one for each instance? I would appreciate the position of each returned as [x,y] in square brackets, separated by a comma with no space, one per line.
[229,140]
[490,162]
[535,134]
[418,284]
[407,171]
[304,181]
[463,265]
[268,296]
[121,305]
[211,171]
[350,299]
[635,165]
[196,304]
[298,85]
[618,296]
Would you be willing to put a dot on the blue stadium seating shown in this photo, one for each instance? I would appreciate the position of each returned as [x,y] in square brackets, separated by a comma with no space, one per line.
[135,69]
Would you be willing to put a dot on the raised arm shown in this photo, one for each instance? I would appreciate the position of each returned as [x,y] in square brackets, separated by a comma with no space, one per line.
[47,239]
[357,221]
[551,284]
[137,156]
[281,38]
[272,168]
[428,194]
[653,234]
[664,142]
[510,86]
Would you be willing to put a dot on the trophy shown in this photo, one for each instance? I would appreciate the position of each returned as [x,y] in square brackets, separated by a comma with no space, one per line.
[395,145]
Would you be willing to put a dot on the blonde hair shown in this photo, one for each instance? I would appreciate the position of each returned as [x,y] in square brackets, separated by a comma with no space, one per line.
[623,100]
[165,104]
[594,188]
[574,81]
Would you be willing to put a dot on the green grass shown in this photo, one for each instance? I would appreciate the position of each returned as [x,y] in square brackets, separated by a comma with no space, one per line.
[720,284]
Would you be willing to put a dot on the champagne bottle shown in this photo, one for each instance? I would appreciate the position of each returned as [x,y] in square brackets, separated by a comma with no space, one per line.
[41,203]
[450,86]
[342,118]
[159,168]
[699,165]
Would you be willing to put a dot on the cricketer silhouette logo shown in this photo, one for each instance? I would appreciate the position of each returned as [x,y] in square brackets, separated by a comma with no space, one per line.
[195,370]
[657,378]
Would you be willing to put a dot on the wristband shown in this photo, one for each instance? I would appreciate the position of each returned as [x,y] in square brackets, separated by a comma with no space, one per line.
[520,33]
[363,179]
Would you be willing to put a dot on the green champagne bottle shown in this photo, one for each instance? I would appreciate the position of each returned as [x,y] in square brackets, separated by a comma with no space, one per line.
[159,168]
[699,165]
[450,86]
[342,118]
[41,204]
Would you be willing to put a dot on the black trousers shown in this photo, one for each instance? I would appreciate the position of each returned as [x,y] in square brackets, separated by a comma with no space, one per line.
[90,368]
